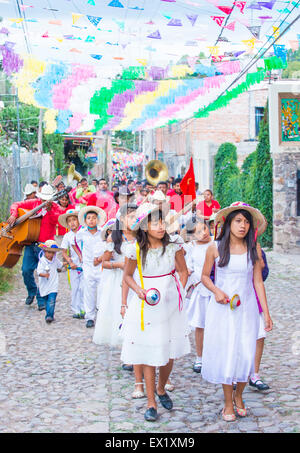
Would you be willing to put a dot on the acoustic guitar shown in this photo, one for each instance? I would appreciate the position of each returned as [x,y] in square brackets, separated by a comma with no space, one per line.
[24,231]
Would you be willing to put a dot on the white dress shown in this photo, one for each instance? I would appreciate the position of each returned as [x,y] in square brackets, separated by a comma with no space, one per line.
[197,305]
[109,318]
[230,335]
[166,329]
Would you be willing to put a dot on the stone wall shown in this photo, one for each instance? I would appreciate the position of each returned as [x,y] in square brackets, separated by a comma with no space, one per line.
[286,224]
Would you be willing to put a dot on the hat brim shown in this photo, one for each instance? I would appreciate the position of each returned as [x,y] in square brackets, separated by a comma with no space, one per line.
[62,219]
[259,220]
[50,249]
[141,217]
[44,196]
[105,228]
[101,215]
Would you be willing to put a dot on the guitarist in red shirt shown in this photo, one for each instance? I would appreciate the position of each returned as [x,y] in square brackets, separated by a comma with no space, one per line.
[50,214]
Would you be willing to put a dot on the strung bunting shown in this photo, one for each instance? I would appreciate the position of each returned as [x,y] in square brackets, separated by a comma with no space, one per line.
[240,6]
[76,17]
[192,18]
[94,20]
[175,23]
[230,26]
[275,31]
[268,5]
[225,9]
[255,30]
[254,6]
[218,19]
[116,4]
[280,51]
[155,35]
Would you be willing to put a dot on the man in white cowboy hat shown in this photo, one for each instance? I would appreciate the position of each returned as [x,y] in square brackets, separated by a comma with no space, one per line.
[29,192]
[70,221]
[88,240]
[49,216]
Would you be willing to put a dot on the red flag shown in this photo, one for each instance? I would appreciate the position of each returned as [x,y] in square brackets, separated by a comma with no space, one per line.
[225,9]
[218,19]
[187,185]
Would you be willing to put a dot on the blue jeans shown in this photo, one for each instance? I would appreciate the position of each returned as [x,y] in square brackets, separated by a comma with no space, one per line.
[30,262]
[49,301]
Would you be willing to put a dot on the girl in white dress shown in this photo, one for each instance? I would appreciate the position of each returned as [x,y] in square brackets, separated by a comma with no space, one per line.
[230,334]
[109,319]
[155,335]
[197,302]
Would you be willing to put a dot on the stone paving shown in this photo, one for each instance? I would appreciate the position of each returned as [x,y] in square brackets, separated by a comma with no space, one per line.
[53,378]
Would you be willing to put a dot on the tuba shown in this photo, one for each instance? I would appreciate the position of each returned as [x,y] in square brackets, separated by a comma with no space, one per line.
[73,174]
[156,171]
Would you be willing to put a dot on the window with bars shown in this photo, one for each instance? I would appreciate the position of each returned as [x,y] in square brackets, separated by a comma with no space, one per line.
[259,113]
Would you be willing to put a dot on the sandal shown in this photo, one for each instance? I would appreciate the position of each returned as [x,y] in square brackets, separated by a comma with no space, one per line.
[137,394]
[241,411]
[169,387]
[228,417]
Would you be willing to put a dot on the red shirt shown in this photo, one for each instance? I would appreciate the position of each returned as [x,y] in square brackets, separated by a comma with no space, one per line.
[207,210]
[176,201]
[48,221]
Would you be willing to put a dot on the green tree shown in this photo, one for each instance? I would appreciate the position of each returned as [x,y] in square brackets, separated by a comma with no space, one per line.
[226,175]
[263,180]
[247,178]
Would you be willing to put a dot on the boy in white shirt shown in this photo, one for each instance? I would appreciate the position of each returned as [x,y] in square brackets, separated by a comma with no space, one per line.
[89,240]
[70,221]
[47,270]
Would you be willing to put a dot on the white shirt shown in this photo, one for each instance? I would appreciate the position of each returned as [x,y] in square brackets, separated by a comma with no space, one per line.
[48,285]
[67,242]
[90,244]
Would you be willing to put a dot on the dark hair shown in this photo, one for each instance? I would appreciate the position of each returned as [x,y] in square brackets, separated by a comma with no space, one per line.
[95,179]
[83,179]
[208,190]
[224,238]
[33,182]
[130,181]
[65,195]
[177,180]
[117,232]
[42,183]
[101,179]
[142,236]
[162,182]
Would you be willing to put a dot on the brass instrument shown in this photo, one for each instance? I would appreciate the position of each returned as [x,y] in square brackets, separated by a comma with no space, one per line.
[155,172]
[73,174]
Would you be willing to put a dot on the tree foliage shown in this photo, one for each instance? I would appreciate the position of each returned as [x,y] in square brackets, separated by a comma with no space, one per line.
[253,184]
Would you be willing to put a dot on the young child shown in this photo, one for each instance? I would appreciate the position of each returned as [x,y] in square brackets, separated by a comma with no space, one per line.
[88,239]
[154,335]
[47,270]
[109,317]
[199,297]
[69,220]
[230,334]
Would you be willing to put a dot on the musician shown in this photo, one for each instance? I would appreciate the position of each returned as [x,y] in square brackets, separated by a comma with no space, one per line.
[49,217]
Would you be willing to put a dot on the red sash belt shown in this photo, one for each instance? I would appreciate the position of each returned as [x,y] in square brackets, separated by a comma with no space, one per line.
[173,274]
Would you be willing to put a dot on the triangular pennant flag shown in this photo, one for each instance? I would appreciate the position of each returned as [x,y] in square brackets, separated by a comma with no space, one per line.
[91,2]
[116,4]
[275,31]
[230,26]
[268,5]
[255,30]
[150,23]
[214,50]
[175,23]
[75,50]
[218,19]
[45,35]
[94,20]
[76,17]
[225,9]
[17,21]
[240,6]
[55,22]
[90,39]
[96,57]
[155,35]
[254,6]
[192,18]
[249,42]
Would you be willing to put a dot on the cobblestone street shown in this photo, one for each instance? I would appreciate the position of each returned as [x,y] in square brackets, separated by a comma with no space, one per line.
[55,379]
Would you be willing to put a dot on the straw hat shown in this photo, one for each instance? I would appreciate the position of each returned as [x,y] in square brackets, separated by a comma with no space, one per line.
[46,193]
[259,221]
[212,217]
[63,218]
[29,188]
[98,211]
[108,226]
[50,246]
[158,196]
[142,212]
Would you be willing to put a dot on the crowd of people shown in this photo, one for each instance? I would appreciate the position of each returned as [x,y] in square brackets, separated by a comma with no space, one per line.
[147,266]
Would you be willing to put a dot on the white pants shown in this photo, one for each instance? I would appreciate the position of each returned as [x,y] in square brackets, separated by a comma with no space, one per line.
[91,280]
[76,281]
